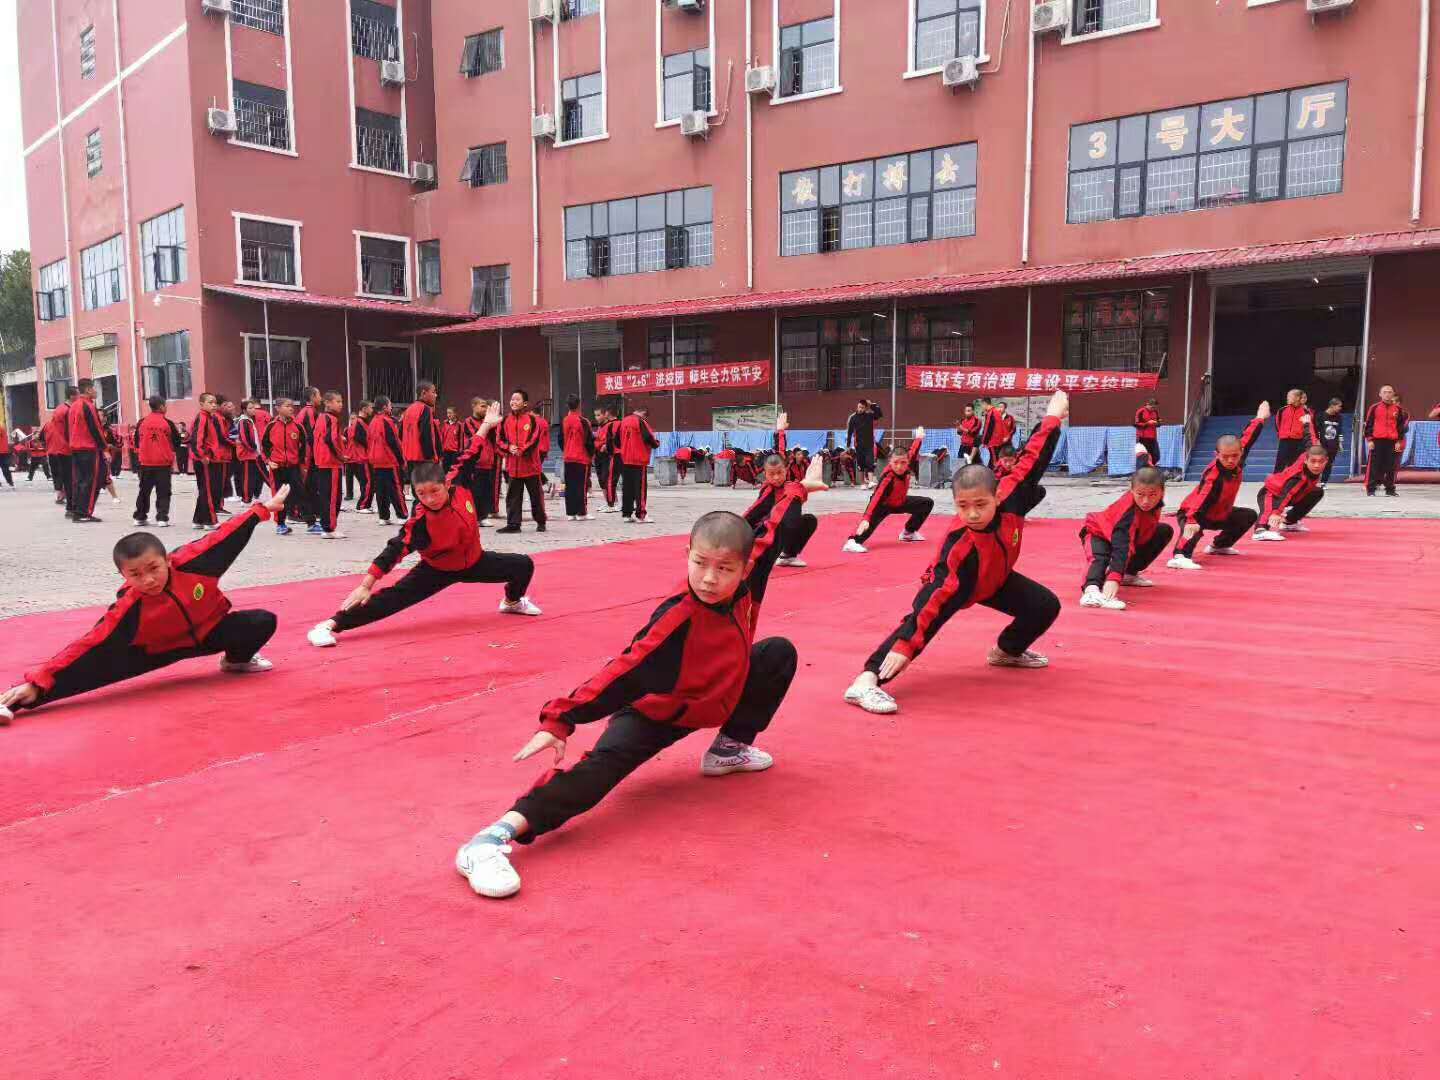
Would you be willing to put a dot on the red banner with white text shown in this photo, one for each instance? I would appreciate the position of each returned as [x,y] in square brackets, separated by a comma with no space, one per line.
[1019,382]
[700,377]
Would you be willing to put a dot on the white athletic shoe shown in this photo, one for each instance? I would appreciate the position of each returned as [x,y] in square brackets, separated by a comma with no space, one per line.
[790,560]
[585,517]
[1135,581]
[254,664]
[1027,659]
[854,547]
[1211,549]
[198,527]
[628,520]
[873,700]
[487,869]
[1295,527]
[337,535]
[322,637]
[115,500]
[143,523]
[1183,562]
[162,524]
[911,537]
[733,756]
[571,517]
[365,510]
[610,509]
[1266,534]
[5,716]
[644,521]
[523,606]
[1093,597]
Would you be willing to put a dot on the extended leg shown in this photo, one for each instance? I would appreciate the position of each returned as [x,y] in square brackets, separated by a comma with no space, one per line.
[418,585]
[772,668]
[1148,552]
[493,567]
[1032,608]
[1241,520]
[918,507]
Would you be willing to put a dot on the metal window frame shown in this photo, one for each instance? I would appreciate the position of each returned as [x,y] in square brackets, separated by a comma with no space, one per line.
[794,57]
[487,278]
[427,254]
[961,6]
[474,54]
[675,254]
[1086,344]
[701,91]
[486,165]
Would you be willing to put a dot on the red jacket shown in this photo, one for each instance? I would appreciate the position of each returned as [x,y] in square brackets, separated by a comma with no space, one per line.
[605,438]
[447,539]
[206,437]
[247,438]
[224,445]
[357,441]
[578,438]
[155,440]
[1290,424]
[284,442]
[417,433]
[1381,422]
[1125,527]
[329,444]
[998,429]
[86,431]
[1147,422]
[969,432]
[4,439]
[262,418]
[450,433]
[1283,489]
[637,439]
[57,431]
[1212,501]
[384,442]
[180,617]
[306,419]
[529,434]
[892,490]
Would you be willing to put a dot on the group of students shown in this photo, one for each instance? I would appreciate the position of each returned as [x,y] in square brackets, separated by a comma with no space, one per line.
[79,448]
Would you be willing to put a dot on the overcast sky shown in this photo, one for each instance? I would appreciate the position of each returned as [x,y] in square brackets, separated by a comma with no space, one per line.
[14,227]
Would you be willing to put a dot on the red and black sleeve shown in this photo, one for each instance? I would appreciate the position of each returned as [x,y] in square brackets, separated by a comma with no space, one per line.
[97,650]
[1247,439]
[947,589]
[784,514]
[468,461]
[392,436]
[1121,542]
[427,434]
[212,555]
[414,535]
[1017,490]
[332,429]
[761,507]
[92,421]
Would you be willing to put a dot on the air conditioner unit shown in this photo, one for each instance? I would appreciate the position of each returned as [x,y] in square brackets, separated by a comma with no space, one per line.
[542,10]
[1318,7]
[215,7]
[422,172]
[221,121]
[695,124]
[687,5]
[760,80]
[392,72]
[542,126]
[961,71]
[1049,15]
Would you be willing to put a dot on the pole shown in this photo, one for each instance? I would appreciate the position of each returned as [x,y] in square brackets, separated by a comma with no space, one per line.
[500,394]
[1029,312]
[894,366]
[674,423]
[775,357]
[1189,324]
[1356,434]
[349,400]
[269,370]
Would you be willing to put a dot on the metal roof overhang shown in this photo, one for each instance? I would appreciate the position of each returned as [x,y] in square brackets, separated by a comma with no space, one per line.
[339,303]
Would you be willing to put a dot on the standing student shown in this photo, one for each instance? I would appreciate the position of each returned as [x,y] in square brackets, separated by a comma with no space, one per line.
[450,444]
[329,461]
[387,457]
[225,450]
[57,438]
[417,428]
[250,473]
[5,454]
[1386,423]
[1295,427]
[607,466]
[39,456]
[357,458]
[1147,429]
[636,439]
[969,431]
[207,437]
[182,455]
[1328,428]
[976,565]
[156,440]
[283,444]
[1122,540]
[892,496]
[997,431]
[306,417]
[87,447]
[522,439]
[860,437]
[1212,504]
[578,439]
[1287,497]
[484,468]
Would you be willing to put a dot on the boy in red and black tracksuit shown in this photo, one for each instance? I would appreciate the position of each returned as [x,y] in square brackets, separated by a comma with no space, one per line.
[387,458]
[329,461]
[1295,427]
[5,453]
[418,428]
[283,444]
[57,439]
[523,439]
[155,440]
[357,458]
[1385,426]
[207,436]
[695,665]
[249,472]
[39,455]
[578,444]
[1212,504]
[1147,430]
[483,468]
[969,431]
[998,430]
[892,496]
[637,441]
[170,609]
[306,417]
[1286,497]
[606,472]
[450,434]
[87,447]
[684,457]
[1122,540]
[795,532]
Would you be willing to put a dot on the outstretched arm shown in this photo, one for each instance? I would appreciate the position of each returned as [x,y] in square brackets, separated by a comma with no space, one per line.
[214,554]
[1016,492]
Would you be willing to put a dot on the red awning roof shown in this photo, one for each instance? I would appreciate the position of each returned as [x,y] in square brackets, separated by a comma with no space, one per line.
[1148,266]
[346,303]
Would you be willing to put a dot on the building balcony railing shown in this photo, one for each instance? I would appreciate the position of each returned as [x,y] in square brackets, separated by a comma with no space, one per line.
[262,124]
[373,39]
[379,148]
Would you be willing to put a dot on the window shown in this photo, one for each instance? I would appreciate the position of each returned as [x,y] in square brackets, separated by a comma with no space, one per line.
[59,375]
[262,116]
[1282,145]
[490,290]
[943,336]
[694,344]
[285,361]
[582,107]
[901,199]
[269,252]
[162,250]
[807,58]
[384,265]
[483,53]
[378,144]
[93,163]
[52,299]
[668,231]
[374,31]
[844,352]
[687,83]
[1127,331]
[430,267]
[267,15]
[87,53]
[485,165]
[945,29]
[102,273]
[167,366]
[1093,16]
[574,9]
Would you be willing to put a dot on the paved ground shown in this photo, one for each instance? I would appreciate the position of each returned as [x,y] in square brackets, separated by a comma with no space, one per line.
[46,563]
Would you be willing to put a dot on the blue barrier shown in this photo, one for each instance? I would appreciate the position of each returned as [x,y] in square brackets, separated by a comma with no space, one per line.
[1120,449]
[1422,445]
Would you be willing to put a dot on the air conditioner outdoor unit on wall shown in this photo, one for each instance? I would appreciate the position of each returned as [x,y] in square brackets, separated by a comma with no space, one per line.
[1049,15]
[542,10]
[961,71]
[1317,7]
[687,5]
[695,124]
[760,80]
[422,172]
[215,7]
[221,121]
[542,126]
[392,72]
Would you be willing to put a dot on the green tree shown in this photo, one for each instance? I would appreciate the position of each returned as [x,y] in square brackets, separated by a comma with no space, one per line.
[17,304]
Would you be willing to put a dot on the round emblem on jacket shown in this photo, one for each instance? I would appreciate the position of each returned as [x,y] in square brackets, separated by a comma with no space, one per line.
[1015,538]
[294,436]
[198,592]
[469,506]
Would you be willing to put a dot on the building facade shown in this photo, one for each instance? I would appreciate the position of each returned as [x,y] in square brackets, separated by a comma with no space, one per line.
[1235,196]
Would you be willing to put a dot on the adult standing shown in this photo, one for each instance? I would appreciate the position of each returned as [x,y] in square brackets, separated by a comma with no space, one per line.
[636,440]
[57,438]
[417,428]
[1385,426]
[522,440]
[860,437]
[87,447]
[156,441]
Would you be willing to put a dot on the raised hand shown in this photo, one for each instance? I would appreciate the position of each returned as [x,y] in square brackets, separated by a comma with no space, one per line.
[277,501]
[919,433]
[814,475]
[1059,406]
[782,422]
[1263,412]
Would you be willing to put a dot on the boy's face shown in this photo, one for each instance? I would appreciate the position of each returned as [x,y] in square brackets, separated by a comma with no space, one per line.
[1147,498]
[1315,463]
[251,409]
[714,573]
[1333,409]
[207,404]
[775,474]
[432,496]
[517,403]
[969,411]
[147,574]
[1387,395]
[1228,455]
[1001,408]
[900,465]
[975,507]
[333,406]
[1292,398]
[449,414]
[478,410]
[287,411]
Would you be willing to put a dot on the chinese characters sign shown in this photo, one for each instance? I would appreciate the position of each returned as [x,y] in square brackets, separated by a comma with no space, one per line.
[701,377]
[1014,382]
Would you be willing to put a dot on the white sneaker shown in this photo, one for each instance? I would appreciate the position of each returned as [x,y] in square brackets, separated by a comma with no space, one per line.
[854,547]
[1211,549]
[911,537]
[734,757]
[644,521]
[571,517]
[365,510]
[198,527]
[872,699]
[1093,597]
[585,517]
[1135,581]
[790,560]
[143,523]
[610,509]
[322,637]
[523,606]
[254,664]
[1295,527]
[628,520]
[5,716]
[115,500]
[1266,534]
[337,535]
[487,869]
[1028,659]
[1183,562]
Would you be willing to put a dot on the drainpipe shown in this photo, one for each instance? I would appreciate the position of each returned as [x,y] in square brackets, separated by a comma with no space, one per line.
[1189,325]
[750,163]
[72,294]
[1421,89]
[534,198]
[1029,150]
[125,217]
[1357,436]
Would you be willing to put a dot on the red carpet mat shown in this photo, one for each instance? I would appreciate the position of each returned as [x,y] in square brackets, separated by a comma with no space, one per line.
[1201,844]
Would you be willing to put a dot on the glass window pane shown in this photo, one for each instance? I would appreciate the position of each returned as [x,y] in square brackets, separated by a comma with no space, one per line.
[891,217]
[856,226]
[894,175]
[622,215]
[1170,186]
[1267,173]
[1314,167]
[674,208]
[857,181]
[830,186]
[954,213]
[600,219]
[698,207]
[1172,133]
[1132,139]
[1225,125]
[650,212]
[1092,196]
[800,232]
[1317,110]
[920,171]
[819,30]
[1270,118]
[1224,178]
[1093,145]
[798,190]
[678,63]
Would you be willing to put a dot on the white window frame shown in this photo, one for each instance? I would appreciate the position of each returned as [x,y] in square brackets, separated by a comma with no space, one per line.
[1072,38]
[240,278]
[838,88]
[660,121]
[556,108]
[294,150]
[245,338]
[912,72]
[350,59]
[411,267]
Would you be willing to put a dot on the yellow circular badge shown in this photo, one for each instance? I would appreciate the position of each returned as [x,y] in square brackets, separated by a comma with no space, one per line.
[1016,538]
[198,592]
[469,506]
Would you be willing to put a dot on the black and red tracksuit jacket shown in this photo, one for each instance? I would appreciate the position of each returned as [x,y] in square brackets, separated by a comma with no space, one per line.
[689,664]
[891,490]
[605,438]
[329,445]
[1211,502]
[208,441]
[998,429]
[247,438]
[86,432]
[283,443]
[384,442]
[447,539]
[478,456]
[577,439]
[530,435]
[417,433]
[357,441]
[1125,527]
[1147,422]
[1289,423]
[969,432]
[1286,488]
[179,617]
[1002,467]
[156,440]
[306,419]
[1386,422]
[450,431]
[765,500]
[57,432]
[973,564]
[636,439]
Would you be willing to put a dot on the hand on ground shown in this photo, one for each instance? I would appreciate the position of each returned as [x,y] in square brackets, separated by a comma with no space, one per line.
[24,694]
[542,740]
[893,664]
[359,597]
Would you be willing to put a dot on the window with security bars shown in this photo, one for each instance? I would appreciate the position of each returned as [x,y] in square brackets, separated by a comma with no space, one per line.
[378,144]
[485,165]
[284,360]
[167,366]
[269,252]
[384,266]
[102,273]
[162,250]
[93,160]
[945,29]
[1283,145]
[87,53]
[52,298]
[687,83]
[575,9]
[582,107]
[430,267]
[374,30]
[901,199]
[807,58]
[490,290]
[1126,331]
[669,231]
[942,336]
[266,15]
[59,376]
[1093,16]
[684,345]
[856,352]
[483,53]
[262,116]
